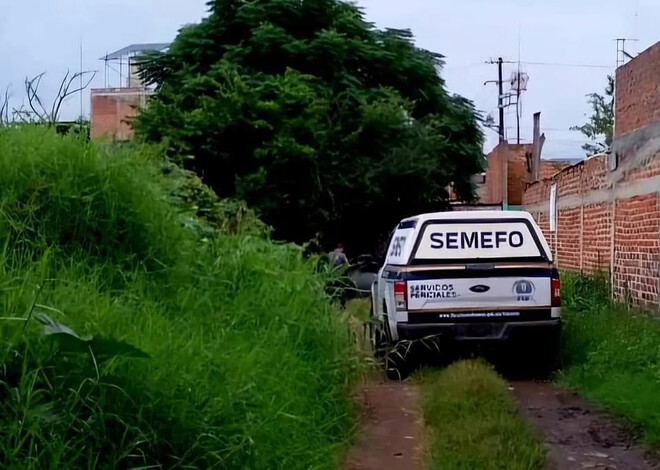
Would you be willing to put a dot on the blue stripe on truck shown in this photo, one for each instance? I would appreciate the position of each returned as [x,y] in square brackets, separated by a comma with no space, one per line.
[470,274]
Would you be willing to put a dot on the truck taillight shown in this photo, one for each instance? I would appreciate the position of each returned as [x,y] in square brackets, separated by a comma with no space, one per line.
[555,292]
[401,295]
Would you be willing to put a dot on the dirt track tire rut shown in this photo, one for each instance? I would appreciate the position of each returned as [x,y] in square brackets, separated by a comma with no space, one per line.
[391,437]
[576,435]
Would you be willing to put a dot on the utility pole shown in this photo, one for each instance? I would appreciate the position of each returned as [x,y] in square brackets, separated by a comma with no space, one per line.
[500,104]
[500,107]
[518,107]
[500,96]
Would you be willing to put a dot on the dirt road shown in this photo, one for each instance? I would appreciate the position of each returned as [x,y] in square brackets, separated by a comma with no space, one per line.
[391,434]
[576,435]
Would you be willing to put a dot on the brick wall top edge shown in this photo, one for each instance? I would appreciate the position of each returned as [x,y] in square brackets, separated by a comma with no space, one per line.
[569,170]
[637,97]
[625,68]
[118,90]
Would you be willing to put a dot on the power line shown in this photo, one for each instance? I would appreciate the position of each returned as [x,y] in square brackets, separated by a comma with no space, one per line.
[543,64]
[558,129]
[561,64]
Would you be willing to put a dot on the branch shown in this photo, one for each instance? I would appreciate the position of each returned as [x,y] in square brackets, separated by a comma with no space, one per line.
[4,108]
[23,115]
[32,90]
[57,101]
[65,90]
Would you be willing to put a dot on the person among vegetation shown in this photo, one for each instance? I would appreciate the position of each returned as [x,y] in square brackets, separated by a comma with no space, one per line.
[314,246]
[338,258]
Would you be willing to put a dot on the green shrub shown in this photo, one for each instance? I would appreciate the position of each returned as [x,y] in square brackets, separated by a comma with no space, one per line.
[226,215]
[248,367]
[611,354]
[582,292]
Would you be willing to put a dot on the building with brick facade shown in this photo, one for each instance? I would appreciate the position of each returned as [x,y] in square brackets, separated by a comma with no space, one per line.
[112,108]
[492,190]
[607,208]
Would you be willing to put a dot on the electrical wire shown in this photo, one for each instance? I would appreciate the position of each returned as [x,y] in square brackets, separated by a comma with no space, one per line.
[559,64]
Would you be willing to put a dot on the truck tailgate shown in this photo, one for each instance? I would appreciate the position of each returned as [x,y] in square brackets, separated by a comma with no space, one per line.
[485,293]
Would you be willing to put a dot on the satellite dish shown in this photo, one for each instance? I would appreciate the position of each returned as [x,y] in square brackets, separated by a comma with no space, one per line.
[519,81]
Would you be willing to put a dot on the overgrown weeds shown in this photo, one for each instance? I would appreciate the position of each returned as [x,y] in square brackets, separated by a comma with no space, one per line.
[472,422]
[611,354]
[248,367]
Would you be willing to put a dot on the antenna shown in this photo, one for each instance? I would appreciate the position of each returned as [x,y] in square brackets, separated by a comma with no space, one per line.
[635,21]
[81,83]
[518,84]
[622,55]
[515,85]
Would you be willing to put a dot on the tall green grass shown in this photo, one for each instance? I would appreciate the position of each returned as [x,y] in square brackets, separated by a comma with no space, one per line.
[472,422]
[249,366]
[611,354]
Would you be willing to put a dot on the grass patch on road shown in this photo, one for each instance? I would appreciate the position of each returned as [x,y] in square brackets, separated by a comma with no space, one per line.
[472,421]
[611,355]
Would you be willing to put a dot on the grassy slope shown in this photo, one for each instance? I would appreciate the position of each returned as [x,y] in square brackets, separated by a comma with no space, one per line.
[472,421]
[612,356]
[250,367]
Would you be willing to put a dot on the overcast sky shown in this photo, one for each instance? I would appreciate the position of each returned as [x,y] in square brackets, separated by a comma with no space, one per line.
[45,35]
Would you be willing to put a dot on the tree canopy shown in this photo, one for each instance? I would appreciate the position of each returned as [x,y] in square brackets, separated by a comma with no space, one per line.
[313,116]
[600,126]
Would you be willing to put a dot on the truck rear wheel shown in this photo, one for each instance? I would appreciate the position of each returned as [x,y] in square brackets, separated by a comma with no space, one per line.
[548,357]
[377,339]
[396,368]
[397,361]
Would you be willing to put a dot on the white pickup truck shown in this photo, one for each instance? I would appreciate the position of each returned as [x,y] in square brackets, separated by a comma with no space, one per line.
[466,277]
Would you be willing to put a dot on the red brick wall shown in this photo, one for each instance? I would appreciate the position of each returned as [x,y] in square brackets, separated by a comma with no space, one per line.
[516,155]
[596,235]
[637,94]
[491,192]
[568,240]
[636,233]
[111,108]
[588,198]
[517,171]
[610,220]
[547,169]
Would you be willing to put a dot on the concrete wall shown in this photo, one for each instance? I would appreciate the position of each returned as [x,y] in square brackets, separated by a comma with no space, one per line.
[110,110]
[608,207]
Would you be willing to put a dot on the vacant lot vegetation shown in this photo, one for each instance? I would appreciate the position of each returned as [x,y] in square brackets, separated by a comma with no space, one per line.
[612,354]
[133,335]
[472,421]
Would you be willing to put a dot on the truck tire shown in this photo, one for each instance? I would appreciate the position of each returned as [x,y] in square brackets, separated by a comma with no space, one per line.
[377,336]
[377,339]
[397,366]
[548,358]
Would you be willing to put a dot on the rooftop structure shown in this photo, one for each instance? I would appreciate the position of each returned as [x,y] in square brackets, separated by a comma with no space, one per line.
[120,69]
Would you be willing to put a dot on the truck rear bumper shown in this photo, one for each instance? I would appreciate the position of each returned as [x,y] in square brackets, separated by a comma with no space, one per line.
[490,332]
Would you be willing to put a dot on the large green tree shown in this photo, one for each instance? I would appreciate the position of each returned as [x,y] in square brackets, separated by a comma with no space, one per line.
[600,125]
[313,116]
